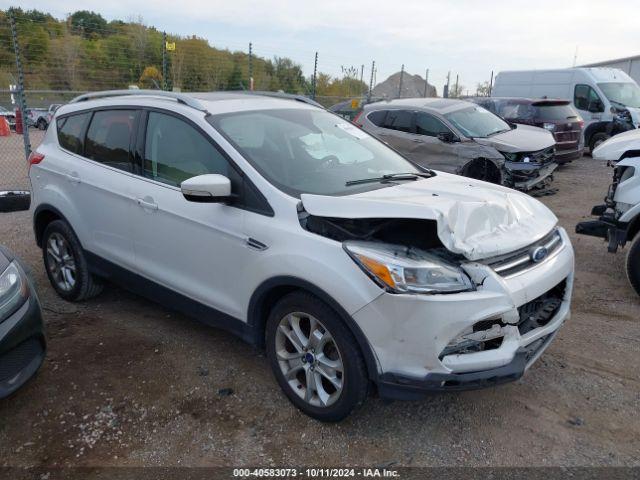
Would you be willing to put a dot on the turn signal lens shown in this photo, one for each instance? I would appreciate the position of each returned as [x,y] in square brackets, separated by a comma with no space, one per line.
[378,269]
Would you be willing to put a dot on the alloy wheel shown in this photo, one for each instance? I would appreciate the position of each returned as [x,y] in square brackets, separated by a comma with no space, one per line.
[309,359]
[61,263]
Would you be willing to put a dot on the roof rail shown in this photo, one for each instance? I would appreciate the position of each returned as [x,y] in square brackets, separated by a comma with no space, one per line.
[290,96]
[179,97]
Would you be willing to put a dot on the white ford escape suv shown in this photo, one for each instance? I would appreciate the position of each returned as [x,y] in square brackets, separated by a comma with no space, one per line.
[299,232]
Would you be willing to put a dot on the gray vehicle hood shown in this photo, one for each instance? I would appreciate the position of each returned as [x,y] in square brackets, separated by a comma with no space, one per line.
[524,138]
[476,219]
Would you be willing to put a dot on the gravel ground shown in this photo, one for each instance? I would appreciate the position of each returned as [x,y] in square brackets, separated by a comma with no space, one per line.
[128,383]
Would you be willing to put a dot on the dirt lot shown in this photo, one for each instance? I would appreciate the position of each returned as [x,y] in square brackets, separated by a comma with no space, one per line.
[129,383]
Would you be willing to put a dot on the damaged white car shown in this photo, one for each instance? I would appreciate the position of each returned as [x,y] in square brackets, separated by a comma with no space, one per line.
[619,216]
[301,233]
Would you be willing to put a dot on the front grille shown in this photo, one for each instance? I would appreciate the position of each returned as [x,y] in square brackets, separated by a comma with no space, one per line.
[523,259]
[539,311]
[14,361]
[541,156]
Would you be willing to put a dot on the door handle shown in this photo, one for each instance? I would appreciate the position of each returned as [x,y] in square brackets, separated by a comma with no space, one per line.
[147,204]
[417,140]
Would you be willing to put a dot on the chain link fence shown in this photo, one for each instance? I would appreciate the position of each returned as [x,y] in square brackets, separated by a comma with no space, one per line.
[46,61]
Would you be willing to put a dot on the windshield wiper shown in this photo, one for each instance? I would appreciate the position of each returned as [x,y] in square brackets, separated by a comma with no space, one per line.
[392,176]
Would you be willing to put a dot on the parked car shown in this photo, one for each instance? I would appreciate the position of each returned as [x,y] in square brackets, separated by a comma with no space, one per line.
[22,341]
[40,117]
[607,99]
[9,116]
[619,217]
[557,116]
[460,137]
[294,229]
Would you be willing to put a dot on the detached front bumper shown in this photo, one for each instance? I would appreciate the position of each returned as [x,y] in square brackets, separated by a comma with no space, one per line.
[527,176]
[419,340]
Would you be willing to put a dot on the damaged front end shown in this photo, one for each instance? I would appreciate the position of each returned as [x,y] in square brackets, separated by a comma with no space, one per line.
[530,171]
[400,255]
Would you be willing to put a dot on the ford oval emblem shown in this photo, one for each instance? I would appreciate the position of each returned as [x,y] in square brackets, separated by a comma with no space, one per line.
[539,254]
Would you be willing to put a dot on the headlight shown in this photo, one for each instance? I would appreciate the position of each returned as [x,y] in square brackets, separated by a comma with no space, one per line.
[408,270]
[549,126]
[14,290]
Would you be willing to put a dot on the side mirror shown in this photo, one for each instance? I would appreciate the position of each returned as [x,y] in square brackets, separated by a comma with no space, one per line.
[210,188]
[446,137]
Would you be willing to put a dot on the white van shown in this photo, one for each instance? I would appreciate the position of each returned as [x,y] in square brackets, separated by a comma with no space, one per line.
[607,98]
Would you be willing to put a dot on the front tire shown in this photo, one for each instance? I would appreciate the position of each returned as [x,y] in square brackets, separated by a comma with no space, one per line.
[42,124]
[633,264]
[66,264]
[315,358]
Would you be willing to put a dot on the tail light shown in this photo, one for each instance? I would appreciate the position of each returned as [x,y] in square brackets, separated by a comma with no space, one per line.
[581,123]
[355,119]
[35,158]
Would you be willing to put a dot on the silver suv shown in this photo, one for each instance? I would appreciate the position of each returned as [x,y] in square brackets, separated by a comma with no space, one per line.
[294,229]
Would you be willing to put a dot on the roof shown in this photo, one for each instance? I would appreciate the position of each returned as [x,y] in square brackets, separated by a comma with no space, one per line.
[440,105]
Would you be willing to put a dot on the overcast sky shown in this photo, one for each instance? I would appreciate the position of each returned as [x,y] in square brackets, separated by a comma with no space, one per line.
[468,37]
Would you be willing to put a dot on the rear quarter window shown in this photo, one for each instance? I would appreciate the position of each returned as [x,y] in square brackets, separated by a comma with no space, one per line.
[71,131]
[377,117]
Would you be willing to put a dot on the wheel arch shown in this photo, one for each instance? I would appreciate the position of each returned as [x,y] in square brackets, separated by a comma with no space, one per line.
[498,169]
[273,289]
[43,215]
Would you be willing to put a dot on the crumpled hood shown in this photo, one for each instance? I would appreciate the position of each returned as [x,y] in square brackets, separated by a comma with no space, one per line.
[524,138]
[614,147]
[475,219]
[635,116]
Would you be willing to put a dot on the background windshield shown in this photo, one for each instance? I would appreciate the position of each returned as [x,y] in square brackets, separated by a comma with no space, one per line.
[627,94]
[308,150]
[475,121]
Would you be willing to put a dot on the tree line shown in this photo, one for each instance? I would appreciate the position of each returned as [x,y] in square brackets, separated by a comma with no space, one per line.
[86,52]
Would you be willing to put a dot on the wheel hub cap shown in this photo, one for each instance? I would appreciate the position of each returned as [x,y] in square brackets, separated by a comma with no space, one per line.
[309,359]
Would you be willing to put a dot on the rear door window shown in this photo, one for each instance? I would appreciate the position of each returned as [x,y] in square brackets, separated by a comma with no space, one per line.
[109,138]
[71,131]
[401,120]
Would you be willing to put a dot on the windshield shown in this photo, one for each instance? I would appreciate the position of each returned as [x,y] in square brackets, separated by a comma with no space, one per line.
[628,94]
[309,150]
[475,121]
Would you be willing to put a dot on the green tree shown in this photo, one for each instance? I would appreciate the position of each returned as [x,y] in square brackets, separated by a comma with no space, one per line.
[88,24]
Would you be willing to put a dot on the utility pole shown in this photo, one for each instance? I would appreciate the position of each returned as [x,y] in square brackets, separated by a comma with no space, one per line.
[400,84]
[361,74]
[426,82]
[446,87]
[373,69]
[250,66]
[164,61]
[491,83]
[457,92]
[315,79]
[22,100]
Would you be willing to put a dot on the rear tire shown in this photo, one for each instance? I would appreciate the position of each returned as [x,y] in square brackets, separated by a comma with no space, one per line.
[66,264]
[42,124]
[633,264]
[596,139]
[326,377]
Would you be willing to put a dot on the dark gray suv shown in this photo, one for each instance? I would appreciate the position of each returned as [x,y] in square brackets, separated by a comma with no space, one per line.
[463,138]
